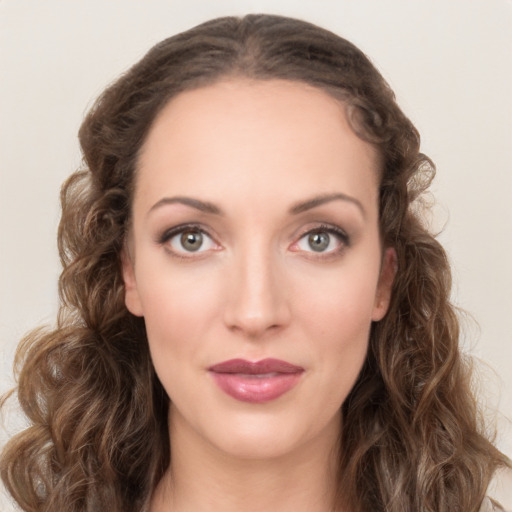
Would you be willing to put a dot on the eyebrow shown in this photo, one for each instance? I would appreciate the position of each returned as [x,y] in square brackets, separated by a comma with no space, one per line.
[300,207]
[203,206]
[325,198]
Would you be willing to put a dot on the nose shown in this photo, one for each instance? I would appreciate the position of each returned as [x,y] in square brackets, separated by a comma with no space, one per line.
[257,296]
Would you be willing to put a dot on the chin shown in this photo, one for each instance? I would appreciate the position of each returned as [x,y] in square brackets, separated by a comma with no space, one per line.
[272,436]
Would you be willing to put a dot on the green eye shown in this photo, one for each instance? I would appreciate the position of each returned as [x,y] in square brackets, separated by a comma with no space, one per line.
[322,240]
[191,240]
[319,242]
[188,239]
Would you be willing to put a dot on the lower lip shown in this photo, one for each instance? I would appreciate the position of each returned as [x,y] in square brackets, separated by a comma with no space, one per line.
[254,389]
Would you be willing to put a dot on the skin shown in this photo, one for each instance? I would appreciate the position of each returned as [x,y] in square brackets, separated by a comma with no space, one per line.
[258,152]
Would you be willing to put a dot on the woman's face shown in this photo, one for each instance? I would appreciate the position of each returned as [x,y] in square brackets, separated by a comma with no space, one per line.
[255,240]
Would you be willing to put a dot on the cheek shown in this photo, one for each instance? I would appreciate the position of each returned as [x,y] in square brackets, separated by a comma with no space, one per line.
[337,317]
[341,326]
[341,353]
[339,301]
[179,307]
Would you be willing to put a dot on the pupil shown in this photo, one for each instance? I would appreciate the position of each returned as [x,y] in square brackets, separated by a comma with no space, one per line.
[319,241]
[192,240]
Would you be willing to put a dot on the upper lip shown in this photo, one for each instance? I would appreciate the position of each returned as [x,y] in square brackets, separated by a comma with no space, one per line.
[255,368]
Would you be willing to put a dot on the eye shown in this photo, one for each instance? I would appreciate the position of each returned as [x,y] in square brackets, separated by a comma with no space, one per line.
[188,240]
[322,240]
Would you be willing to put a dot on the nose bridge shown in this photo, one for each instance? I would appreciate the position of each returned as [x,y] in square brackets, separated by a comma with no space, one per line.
[257,299]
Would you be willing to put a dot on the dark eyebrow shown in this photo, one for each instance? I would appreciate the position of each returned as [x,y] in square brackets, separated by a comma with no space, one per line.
[322,199]
[203,206]
[302,206]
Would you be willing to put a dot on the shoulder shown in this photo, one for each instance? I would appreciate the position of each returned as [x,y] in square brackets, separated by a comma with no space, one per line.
[499,492]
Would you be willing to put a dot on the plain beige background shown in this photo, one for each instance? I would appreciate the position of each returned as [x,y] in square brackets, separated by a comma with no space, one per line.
[449,62]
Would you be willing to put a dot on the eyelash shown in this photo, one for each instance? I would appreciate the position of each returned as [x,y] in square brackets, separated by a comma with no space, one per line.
[169,234]
[331,230]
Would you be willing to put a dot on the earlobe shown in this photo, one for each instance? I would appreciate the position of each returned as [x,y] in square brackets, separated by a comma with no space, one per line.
[131,293]
[387,276]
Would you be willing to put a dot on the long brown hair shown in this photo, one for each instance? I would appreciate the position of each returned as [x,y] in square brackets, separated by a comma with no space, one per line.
[98,438]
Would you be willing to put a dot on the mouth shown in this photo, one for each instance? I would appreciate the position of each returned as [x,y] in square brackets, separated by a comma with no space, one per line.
[256,382]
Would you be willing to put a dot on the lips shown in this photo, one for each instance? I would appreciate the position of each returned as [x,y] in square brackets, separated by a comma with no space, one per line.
[256,382]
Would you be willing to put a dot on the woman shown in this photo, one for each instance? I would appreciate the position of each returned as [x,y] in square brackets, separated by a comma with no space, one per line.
[253,315]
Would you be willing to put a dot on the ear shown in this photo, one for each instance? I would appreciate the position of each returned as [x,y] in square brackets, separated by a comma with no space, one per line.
[131,293]
[385,284]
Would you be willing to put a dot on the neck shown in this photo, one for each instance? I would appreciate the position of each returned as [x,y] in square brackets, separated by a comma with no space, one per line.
[202,478]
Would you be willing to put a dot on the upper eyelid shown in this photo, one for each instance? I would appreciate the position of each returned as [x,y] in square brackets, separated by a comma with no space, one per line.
[175,230]
[330,228]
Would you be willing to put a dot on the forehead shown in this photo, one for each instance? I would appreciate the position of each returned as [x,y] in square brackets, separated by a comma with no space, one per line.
[244,132]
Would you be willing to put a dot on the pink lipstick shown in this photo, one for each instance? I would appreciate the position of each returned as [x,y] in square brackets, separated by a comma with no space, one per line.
[256,382]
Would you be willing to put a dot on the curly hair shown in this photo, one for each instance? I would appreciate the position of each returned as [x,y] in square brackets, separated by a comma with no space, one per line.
[412,437]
